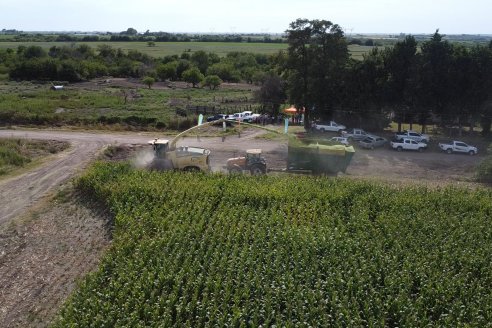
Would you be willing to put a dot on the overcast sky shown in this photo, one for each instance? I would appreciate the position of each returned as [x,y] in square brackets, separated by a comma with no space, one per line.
[238,16]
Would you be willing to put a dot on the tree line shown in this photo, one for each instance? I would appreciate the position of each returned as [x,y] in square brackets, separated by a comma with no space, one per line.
[82,62]
[431,82]
[434,82]
[132,35]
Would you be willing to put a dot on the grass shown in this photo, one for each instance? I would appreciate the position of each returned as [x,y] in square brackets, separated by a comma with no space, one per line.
[16,154]
[31,104]
[162,49]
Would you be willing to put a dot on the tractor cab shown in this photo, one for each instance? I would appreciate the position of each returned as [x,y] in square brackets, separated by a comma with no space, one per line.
[160,146]
[253,162]
[253,156]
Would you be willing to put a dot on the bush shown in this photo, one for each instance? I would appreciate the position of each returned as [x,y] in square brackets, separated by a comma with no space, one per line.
[484,170]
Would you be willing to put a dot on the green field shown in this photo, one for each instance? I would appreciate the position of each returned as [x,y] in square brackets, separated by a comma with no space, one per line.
[19,153]
[208,250]
[162,49]
[35,104]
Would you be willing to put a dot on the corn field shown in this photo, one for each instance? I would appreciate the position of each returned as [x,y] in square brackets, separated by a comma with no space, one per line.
[198,250]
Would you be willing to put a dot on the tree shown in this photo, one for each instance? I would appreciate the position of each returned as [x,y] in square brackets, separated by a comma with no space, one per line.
[200,59]
[130,31]
[272,94]
[212,81]
[193,76]
[183,65]
[225,71]
[318,55]
[433,92]
[148,81]
[399,63]
[34,52]
[150,44]
[363,92]
[168,71]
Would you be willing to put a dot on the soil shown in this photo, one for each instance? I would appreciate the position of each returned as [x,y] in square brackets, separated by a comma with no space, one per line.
[49,239]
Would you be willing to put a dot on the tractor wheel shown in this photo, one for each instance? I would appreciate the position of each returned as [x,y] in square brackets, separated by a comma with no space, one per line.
[160,165]
[235,170]
[257,169]
[191,169]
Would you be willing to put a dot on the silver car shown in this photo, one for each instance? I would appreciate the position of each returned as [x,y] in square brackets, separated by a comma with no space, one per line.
[371,142]
[341,140]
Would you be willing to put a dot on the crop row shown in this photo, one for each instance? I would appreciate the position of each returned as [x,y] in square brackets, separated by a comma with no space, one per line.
[214,250]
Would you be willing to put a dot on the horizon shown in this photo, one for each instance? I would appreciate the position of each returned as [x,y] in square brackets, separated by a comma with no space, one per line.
[236,33]
[451,17]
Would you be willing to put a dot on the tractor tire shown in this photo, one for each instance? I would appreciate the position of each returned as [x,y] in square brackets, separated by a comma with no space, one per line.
[257,169]
[161,165]
[235,170]
[191,169]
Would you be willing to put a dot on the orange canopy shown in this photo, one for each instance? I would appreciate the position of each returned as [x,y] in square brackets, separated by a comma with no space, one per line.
[292,110]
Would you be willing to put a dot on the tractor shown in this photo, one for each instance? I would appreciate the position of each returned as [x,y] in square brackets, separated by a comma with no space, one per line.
[169,157]
[252,162]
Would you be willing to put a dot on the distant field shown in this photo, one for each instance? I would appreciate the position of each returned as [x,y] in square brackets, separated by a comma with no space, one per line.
[162,49]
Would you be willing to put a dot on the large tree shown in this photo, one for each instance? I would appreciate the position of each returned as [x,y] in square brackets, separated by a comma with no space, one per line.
[272,94]
[193,76]
[318,55]
[434,86]
[400,62]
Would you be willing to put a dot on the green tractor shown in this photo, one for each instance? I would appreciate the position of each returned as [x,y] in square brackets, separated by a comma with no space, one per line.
[252,162]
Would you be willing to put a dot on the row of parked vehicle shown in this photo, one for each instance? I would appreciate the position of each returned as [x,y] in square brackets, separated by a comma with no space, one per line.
[246,116]
[405,140]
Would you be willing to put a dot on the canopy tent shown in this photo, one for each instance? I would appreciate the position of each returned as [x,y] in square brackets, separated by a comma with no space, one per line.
[292,111]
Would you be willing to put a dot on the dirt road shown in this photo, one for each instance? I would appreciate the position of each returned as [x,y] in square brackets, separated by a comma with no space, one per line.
[19,193]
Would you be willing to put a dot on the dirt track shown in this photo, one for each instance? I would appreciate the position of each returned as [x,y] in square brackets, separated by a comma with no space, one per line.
[47,244]
[19,193]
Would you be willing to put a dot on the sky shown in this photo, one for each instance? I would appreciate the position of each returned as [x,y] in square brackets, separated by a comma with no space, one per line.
[252,16]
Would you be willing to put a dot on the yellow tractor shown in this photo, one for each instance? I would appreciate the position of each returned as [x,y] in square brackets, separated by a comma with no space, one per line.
[252,162]
[169,157]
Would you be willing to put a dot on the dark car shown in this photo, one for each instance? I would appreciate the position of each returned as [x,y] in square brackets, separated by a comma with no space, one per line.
[216,117]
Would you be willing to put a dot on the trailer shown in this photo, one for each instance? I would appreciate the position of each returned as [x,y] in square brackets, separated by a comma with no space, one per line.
[314,158]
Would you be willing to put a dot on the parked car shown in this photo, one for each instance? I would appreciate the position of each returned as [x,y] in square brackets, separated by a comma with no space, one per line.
[253,118]
[419,137]
[240,116]
[216,117]
[408,144]
[371,142]
[328,126]
[341,140]
[458,147]
[355,134]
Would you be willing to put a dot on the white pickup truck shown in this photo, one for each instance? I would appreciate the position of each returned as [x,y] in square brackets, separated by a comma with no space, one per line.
[355,134]
[458,147]
[328,126]
[419,137]
[408,144]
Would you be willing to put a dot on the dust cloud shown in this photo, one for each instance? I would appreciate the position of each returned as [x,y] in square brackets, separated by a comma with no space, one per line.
[143,158]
